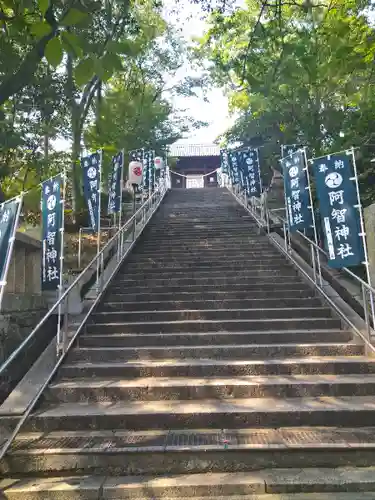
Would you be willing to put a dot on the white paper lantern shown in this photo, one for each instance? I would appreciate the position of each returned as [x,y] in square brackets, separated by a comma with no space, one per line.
[158,162]
[135,172]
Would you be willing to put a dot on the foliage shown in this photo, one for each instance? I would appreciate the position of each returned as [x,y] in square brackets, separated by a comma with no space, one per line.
[300,73]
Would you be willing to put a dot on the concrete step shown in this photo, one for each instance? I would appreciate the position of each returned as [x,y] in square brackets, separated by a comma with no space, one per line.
[217,254]
[347,411]
[199,243]
[241,278]
[218,338]
[234,325]
[185,388]
[185,232]
[179,266]
[339,365]
[180,451]
[205,273]
[290,291]
[210,352]
[211,314]
[224,303]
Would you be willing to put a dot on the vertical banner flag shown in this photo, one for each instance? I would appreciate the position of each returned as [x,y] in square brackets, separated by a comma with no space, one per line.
[289,149]
[91,187]
[115,184]
[254,181]
[233,167]
[338,201]
[297,197]
[149,168]
[9,212]
[51,233]
[224,161]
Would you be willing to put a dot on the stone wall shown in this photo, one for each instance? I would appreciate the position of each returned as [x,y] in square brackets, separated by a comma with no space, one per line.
[22,308]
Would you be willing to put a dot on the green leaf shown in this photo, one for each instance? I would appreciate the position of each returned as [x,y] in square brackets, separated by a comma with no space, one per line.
[43,6]
[112,62]
[40,29]
[119,47]
[84,71]
[54,52]
[71,43]
[103,72]
[73,16]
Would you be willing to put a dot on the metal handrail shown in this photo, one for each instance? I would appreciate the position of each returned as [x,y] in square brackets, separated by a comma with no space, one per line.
[64,295]
[366,339]
[322,251]
[162,191]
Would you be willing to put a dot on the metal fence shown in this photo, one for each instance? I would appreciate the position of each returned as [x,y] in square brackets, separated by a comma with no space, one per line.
[112,254]
[266,218]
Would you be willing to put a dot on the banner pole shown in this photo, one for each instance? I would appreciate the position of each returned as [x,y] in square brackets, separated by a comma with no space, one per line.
[312,215]
[363,235]
[99,224]
[120,211]
[60,344]
[287,225]
[10,250]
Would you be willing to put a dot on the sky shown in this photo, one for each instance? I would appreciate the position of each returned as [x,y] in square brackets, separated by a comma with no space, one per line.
[215,111]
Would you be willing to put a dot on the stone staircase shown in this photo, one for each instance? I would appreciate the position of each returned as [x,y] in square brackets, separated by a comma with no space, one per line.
[210,370]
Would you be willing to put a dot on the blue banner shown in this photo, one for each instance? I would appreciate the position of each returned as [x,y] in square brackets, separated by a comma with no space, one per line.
[234,172]
[115,184]
[254,182]
[338,201]
[149,169]
[297,197]
[91,169]
[8,226]
[224,161]
[51,233]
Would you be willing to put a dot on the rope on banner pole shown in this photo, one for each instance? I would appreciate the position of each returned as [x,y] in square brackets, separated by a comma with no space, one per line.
[186,176]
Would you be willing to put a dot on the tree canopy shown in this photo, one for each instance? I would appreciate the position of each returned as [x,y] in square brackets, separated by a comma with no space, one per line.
[89,72]
[297,72]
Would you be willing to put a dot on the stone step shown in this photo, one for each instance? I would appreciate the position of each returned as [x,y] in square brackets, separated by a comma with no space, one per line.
[211,273]
[186,233]
[205,258]
[347,411]
[185,388]
[179,266]
[218,367]
[229,352]
[105,317]
[218,338]
[241,278]
[196,451]
[236,325]
[205,254]
[224,303]
[290,291]
[199,243]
